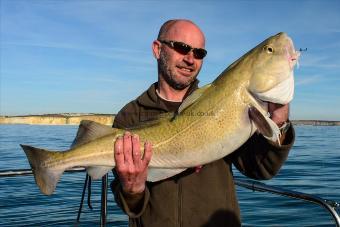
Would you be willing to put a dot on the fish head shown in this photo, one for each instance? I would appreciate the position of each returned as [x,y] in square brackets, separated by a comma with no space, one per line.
[271,75]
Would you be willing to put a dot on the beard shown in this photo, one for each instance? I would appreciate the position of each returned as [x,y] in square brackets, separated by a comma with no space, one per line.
[170,76]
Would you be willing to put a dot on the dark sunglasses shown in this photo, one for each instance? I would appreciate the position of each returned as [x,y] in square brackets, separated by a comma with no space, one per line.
[182,48]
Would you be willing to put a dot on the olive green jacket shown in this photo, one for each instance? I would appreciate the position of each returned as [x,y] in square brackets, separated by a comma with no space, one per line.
[195,199]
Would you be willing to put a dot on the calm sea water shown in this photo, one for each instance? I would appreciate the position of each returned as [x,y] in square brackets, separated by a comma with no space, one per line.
[312,167]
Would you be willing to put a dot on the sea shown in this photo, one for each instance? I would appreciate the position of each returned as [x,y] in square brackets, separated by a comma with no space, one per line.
[313,167]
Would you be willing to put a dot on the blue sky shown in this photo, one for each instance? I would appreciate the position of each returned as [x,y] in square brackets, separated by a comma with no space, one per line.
[94,56]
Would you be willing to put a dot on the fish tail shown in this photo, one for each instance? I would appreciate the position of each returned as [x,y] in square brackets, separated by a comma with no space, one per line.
[46,178]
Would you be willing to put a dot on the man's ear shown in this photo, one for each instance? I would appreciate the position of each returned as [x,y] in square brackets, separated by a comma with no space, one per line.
[156,49]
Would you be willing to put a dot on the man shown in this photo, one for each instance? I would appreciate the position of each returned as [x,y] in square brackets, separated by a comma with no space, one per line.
[202,196]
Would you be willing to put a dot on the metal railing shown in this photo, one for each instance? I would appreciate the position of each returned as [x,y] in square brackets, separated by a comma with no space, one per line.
[25,172]
[329,205]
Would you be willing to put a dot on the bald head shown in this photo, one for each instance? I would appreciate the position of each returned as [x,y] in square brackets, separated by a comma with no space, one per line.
[176,29]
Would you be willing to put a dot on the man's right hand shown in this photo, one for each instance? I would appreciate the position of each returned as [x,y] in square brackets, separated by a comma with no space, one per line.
[131,167]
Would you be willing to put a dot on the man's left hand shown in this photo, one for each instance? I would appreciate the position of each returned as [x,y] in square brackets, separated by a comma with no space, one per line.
[278,113]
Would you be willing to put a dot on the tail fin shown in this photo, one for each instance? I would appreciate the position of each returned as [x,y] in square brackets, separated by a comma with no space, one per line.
[45,177]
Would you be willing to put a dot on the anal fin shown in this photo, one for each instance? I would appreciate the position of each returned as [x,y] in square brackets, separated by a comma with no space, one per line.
[97,172]
[157,174]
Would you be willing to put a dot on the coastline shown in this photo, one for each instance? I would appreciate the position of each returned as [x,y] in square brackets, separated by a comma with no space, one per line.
[106,119]
[57,119]
[316,122]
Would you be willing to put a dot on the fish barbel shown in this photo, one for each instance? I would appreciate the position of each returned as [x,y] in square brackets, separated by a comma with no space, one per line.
[211,123]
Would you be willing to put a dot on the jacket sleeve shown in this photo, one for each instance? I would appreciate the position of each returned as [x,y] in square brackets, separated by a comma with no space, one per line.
[132,205]
[260,158]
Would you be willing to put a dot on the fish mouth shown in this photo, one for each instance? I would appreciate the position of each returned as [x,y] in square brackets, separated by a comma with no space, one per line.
[292,55]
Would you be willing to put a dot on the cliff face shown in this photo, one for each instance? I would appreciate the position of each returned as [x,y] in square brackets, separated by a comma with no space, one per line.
[316,123]
[106,119]
[57,119]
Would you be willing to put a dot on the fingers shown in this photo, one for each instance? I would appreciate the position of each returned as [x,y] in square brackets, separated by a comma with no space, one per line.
[127,152]
[131,168]
[118,151]
[147,153]
[127,148]
[136,155]
[279,113]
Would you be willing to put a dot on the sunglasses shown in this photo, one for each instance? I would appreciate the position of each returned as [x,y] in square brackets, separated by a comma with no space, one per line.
[182,48]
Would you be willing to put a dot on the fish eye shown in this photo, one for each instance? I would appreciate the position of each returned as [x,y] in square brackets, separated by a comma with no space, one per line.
[268,49]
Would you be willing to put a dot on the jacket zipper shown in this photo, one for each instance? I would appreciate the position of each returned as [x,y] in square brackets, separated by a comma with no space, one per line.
[179,203]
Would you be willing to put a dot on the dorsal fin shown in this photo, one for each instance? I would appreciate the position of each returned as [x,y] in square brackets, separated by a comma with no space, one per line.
[192,98]
[90,130]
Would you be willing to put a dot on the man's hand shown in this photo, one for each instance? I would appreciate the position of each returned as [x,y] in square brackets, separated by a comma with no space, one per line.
[278,113]
[131,167]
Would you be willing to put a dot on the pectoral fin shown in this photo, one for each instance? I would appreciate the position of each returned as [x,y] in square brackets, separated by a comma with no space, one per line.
[264,124]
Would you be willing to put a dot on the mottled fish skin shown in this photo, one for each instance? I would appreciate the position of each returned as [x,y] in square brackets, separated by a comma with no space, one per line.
[213,121]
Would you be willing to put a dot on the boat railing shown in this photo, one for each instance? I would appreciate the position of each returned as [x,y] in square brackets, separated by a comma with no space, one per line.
[329,205]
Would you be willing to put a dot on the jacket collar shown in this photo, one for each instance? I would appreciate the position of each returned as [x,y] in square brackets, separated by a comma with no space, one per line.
[150,99]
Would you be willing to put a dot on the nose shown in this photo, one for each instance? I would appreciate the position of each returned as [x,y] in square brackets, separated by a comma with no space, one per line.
[189,58]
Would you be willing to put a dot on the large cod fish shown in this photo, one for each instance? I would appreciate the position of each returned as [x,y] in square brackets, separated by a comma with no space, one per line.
[211,123]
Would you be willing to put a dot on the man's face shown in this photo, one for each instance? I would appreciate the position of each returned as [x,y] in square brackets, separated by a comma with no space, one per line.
[177,69]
